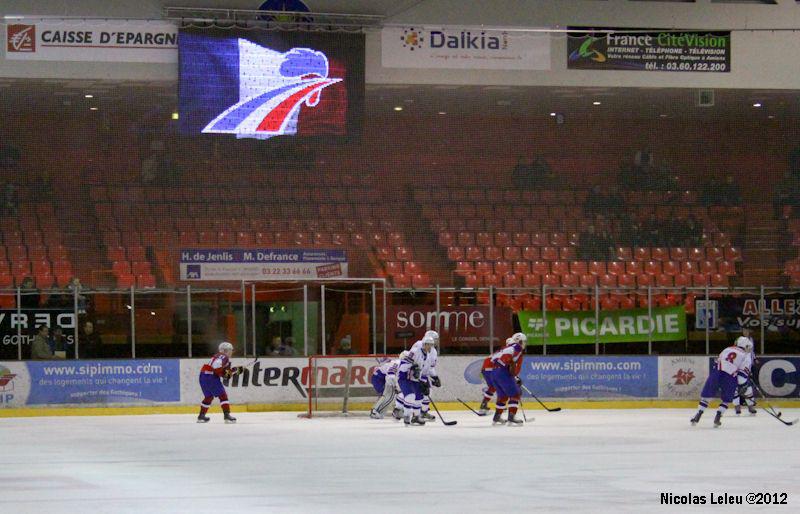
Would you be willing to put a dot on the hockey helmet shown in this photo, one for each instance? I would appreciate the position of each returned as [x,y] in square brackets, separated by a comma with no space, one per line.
[519,338]
[225,347]
[433,335]
[745,343]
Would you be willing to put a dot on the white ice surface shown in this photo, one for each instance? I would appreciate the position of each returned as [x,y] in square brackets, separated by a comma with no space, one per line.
[574,460]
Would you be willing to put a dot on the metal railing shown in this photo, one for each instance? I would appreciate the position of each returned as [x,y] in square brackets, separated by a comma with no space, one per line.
[139,322]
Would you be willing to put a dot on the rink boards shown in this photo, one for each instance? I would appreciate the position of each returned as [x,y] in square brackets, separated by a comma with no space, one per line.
[282,383]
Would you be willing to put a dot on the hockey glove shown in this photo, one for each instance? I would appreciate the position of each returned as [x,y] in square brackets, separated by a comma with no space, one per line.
[435,382]
[425,388]
[232,372]
[415,372]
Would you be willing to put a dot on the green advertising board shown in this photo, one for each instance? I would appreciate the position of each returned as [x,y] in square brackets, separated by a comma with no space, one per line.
[617,326]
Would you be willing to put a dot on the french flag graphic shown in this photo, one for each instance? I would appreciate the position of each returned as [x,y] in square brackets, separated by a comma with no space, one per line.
[235,86]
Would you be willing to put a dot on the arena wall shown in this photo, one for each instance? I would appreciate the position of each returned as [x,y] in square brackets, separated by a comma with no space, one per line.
[759,59]
[280,383]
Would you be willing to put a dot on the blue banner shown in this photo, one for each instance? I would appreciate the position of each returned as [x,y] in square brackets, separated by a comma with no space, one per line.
[585,377]
[778,376]
[117,381]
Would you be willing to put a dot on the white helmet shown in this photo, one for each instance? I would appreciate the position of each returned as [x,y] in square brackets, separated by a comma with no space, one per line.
[519,338]
[225,346]
[428,340]
[745,344]
[433,335]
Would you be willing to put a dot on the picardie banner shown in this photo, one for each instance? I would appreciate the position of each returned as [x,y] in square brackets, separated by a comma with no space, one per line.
[613,326]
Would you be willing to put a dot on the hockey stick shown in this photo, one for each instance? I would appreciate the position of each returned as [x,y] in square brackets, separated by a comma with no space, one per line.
[770,409]
[524,417]
[548,409]
[445,423]
[470,408]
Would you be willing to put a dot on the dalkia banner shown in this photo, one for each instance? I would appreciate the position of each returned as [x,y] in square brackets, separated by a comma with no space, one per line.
[617,326]
[262,264]
[648,50]
[92,40]
[464,48]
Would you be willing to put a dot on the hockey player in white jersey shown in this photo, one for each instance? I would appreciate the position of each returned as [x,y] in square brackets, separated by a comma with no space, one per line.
[730,367]
[744,393]
[409,376]
[429,375]
[384,381]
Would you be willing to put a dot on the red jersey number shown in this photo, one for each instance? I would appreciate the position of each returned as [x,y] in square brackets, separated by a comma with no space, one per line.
[731,357]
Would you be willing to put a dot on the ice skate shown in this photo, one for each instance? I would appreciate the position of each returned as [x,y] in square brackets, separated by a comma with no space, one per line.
[397,413]
[513,420]
[427,416]
[752,410]
[202,418]
[718,420]
[375,414]
[484,408]
[417,420]
[498,418]
[696,419]
[229,419]
[738,409]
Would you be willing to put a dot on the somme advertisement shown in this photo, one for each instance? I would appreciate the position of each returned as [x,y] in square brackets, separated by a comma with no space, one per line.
[459,326]
[648,50]
[615,326]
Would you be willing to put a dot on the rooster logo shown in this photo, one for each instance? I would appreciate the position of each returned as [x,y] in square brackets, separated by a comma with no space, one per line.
[273,87]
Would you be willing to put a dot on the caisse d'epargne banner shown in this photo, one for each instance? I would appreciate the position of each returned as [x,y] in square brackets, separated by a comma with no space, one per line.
[613,326]
[648,50]
[464,48]
[262,264]
[91,40]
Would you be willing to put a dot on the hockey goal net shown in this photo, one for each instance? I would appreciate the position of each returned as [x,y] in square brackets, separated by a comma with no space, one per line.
[341,385]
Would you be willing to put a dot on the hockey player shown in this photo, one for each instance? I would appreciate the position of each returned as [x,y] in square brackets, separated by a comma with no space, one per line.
[211,375]
[731,365]
[411,385]
[744,391]
[384,381]
[505,378]
[489,390]
[429,375]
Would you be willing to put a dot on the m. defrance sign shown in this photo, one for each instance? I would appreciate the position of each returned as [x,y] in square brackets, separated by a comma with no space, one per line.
[262,264]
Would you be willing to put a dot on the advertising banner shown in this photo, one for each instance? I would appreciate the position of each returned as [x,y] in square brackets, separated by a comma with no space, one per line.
[99,382]
[681,376]
[778,313]
[263,83]
[585,377]
[14,384]
[778,376]
[648,50]
[615,326]
[458,326]
[262,264]
[464,48]
[26,322]
[92,40]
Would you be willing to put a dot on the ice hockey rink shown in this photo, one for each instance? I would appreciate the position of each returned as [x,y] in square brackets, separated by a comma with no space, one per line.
[573,460]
